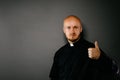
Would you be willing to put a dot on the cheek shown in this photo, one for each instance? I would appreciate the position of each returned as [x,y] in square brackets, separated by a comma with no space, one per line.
[67,32]
[78,32]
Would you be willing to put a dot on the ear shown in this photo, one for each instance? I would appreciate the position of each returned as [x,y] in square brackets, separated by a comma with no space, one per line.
[81,29]
[63,29]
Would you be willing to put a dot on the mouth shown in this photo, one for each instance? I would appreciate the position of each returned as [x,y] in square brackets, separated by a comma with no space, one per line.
[73,34]
[73,37]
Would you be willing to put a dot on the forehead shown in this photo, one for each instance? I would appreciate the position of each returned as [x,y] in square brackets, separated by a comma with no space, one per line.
[72,21]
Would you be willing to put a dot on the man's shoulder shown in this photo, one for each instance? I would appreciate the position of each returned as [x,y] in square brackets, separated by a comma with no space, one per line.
[61,49]
[87,43]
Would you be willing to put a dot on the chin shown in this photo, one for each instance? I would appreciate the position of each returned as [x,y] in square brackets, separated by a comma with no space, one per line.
[73,40]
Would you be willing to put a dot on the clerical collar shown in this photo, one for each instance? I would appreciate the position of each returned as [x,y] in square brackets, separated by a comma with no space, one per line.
[71,44]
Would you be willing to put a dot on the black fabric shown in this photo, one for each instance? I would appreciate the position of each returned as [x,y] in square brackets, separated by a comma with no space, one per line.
[73,63]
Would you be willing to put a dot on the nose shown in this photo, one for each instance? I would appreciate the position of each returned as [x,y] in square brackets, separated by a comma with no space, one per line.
[72,30]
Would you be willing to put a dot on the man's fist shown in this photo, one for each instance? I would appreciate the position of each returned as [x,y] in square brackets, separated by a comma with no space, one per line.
[94,53]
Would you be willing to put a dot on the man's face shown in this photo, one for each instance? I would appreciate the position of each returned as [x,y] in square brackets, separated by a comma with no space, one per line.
[72,29]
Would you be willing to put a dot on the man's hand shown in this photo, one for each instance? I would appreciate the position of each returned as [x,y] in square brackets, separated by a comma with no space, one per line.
[94,53]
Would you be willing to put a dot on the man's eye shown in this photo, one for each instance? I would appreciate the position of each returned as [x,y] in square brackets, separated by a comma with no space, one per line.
[75,27]
[68,27]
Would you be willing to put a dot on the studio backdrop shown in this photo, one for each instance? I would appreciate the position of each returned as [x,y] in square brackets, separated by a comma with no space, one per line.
[31,33]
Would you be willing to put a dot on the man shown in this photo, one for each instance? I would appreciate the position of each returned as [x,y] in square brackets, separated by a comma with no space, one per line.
[80,59]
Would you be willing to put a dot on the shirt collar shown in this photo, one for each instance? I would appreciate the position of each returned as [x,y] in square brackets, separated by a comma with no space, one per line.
[75,43]
[71,44]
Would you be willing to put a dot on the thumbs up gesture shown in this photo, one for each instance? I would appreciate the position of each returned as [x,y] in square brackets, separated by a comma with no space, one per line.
[94,53]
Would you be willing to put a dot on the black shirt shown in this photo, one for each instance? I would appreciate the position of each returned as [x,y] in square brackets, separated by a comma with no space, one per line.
[73,63]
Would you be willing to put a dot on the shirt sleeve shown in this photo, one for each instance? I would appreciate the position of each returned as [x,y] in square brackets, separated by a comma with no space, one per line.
[108,64]
[54,70]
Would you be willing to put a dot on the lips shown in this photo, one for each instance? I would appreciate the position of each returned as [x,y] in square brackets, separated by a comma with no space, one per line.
[73,34]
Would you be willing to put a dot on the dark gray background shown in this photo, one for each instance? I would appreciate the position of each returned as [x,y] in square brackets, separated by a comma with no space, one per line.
[31,32]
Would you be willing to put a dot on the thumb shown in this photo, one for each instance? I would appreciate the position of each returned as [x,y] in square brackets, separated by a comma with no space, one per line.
[96,44]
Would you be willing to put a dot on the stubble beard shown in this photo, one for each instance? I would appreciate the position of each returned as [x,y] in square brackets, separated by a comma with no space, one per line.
[73,40]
